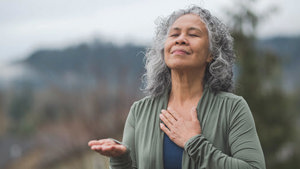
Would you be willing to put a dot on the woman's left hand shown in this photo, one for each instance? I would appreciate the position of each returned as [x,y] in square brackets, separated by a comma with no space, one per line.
[177,128]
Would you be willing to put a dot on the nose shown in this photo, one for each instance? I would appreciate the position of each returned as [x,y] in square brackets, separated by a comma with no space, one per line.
[181,40]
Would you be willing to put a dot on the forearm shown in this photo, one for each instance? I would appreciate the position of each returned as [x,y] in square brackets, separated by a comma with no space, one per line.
[207,156]
[122,162]
[127,160]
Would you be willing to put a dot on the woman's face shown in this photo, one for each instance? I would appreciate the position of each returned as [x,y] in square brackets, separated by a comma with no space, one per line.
[187,44]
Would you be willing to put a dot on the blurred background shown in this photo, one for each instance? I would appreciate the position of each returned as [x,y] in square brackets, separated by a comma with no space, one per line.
[70,70]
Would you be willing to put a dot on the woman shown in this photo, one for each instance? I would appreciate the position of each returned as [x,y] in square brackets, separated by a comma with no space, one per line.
[189,120]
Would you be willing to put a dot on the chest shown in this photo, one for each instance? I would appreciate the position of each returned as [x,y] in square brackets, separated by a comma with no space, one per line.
[184,111]
[149,137]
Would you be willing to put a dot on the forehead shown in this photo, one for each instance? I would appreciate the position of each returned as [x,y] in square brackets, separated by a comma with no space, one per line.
[189,20]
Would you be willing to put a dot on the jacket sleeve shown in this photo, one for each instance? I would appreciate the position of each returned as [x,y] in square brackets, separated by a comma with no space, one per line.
[245,148]
[127,160]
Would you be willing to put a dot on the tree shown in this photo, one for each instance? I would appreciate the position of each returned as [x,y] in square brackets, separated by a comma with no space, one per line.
[259,82]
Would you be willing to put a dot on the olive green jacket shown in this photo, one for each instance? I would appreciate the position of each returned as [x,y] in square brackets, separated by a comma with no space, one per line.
[228,140]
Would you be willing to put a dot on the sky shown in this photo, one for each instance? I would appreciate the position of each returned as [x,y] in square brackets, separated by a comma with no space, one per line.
[28,25]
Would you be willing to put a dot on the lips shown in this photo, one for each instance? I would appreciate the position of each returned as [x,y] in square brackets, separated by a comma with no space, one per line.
[180,52]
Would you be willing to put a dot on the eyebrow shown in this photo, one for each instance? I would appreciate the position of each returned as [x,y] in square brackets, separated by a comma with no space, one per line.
[189,29]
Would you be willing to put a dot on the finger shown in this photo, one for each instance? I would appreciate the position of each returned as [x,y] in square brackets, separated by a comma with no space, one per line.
[103,150]
[110,141]
[168,116]
[111,150]
[96,147]
[173,113]
[165,129]
[96,142]
[108,148]
[92,142]
[194,114]
[101,142]
[165,120]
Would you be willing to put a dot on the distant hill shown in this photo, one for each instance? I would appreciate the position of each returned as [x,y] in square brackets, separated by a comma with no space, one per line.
[86,88]
[86,64]
[87,59]
[104,68]
[288,50]
[286,47]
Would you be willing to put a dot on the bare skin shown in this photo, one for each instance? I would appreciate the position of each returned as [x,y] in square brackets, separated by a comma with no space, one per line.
[107,147]
[180,130]
[186,53]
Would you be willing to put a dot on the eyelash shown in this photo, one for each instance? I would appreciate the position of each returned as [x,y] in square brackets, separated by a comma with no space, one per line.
[175,35]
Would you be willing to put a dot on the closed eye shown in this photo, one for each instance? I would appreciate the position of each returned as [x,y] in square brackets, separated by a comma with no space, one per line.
[194,35]
[174,35]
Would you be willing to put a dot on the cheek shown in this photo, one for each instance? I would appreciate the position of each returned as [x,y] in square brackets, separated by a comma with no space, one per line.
[167,48]
[168,44]
[204,50]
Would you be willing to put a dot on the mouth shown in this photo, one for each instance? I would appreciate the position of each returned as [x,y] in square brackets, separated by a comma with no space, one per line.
[180,52]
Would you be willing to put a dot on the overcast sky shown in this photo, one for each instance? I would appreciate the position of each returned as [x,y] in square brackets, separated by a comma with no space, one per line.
[26,25]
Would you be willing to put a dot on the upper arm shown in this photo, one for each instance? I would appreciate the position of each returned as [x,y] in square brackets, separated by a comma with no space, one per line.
[243,139]
[129,134]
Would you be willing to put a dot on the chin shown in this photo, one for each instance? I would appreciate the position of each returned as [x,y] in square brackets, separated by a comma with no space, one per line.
[179,67]
[178,64]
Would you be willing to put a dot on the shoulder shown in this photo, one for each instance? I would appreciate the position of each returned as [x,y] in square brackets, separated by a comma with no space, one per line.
[228,95]
[148,105]
[230,98]
[146,101]
[230,102]
[239,108]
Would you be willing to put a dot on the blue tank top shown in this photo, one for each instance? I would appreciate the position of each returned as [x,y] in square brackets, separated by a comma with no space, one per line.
[172,154]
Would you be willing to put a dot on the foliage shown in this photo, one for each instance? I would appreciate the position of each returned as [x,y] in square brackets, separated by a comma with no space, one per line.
[259,82]
[69,97]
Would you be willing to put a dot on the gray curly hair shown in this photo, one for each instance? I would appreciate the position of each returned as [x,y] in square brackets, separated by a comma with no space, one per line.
[219,72]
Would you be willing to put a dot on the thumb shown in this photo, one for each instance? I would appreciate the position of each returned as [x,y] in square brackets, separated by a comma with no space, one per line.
[194,114]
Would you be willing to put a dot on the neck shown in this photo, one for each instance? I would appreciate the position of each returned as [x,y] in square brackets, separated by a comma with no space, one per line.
[186,86]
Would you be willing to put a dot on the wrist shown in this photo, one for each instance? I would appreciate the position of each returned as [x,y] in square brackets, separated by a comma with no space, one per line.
[186,142]
[188,138]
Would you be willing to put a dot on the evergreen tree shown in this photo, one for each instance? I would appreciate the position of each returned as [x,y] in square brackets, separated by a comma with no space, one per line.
[258,82]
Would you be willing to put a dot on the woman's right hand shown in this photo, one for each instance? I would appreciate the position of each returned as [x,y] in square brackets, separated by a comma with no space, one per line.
[107,147]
